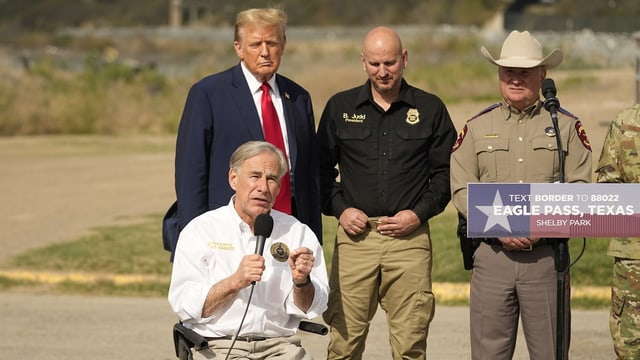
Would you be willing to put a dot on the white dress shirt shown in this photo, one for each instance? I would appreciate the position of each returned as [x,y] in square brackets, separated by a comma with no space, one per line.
[210,249]
[276,99]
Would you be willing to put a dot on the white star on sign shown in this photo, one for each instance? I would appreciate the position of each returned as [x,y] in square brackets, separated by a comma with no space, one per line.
[493,220]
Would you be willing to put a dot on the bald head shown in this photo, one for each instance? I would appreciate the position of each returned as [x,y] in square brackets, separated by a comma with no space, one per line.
[382,38]
[384,60]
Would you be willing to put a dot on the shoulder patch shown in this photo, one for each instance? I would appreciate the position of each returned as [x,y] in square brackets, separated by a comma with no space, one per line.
[583,135]
[461,136]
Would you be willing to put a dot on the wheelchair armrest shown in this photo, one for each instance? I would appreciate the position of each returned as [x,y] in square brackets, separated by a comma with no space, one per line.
[313,327]
[191,337]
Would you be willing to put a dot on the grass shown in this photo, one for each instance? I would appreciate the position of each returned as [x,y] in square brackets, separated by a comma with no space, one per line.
[130,250]
[130,260]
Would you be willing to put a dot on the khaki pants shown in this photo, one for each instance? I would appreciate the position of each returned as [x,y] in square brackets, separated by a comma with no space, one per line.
[507,286]
[287,348]
[372,269]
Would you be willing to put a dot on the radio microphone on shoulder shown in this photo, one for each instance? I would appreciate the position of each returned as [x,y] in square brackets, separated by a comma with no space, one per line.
[262,228]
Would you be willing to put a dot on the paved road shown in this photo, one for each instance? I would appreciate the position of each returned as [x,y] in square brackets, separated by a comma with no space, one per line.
[36,326]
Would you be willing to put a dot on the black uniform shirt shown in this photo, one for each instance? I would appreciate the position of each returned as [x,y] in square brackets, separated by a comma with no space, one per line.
[388,160]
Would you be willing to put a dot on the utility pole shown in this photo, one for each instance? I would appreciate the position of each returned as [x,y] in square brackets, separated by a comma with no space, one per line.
[175,13]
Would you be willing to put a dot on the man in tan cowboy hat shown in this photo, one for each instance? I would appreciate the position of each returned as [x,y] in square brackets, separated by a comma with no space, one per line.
[513,141]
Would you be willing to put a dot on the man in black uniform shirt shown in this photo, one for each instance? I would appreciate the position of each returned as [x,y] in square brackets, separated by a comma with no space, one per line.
[392,143]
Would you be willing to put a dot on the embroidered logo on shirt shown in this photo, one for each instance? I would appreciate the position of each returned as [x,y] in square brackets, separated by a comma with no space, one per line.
[413,116]
[220,246]
[354,118]
[280,251]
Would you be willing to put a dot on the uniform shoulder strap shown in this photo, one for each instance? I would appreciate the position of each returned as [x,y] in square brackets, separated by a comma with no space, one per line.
[566,112]
[463,133]
[486,110]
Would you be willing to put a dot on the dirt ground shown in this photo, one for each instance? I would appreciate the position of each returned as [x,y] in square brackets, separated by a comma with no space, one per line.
[58,188]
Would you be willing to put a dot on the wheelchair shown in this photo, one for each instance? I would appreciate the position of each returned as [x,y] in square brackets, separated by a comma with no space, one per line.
[184,338]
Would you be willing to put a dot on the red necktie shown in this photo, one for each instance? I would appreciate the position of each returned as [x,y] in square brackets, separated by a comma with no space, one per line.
[273,134]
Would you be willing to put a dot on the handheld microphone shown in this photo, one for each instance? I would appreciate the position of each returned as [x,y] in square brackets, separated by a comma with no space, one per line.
[262,228]
[551,102]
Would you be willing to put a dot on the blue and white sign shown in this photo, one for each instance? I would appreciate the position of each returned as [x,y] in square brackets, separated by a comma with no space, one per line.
[556,210]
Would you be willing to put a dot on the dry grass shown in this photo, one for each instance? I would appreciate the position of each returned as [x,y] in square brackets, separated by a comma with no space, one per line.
[119,97]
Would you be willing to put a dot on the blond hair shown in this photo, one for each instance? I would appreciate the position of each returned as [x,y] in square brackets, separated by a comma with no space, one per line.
[261,17]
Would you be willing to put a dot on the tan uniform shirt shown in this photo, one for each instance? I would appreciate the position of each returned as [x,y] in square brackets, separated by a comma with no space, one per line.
[620,163]
[502,144]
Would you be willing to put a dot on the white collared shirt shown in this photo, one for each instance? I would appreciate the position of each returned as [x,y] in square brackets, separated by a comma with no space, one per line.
[210,249]
[276,98]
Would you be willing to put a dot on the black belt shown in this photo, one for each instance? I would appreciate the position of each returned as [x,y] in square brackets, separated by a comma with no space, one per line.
[239,338]
[541,242]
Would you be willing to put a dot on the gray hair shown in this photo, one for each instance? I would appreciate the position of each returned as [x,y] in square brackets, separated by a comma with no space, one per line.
[261,17]
[255,148]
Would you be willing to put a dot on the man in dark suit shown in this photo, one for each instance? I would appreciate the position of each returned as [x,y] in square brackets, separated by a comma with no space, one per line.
[225,110]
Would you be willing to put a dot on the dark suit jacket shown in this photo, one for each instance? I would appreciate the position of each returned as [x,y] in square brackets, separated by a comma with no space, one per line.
[220,115]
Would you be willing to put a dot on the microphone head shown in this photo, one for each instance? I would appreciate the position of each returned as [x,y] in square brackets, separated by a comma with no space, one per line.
[263,225]
[548,88]
[551,103]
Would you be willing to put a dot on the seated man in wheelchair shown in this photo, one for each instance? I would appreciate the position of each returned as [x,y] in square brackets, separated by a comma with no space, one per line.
[226,290]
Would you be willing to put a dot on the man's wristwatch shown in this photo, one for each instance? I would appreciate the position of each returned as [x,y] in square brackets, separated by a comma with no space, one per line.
[304,283]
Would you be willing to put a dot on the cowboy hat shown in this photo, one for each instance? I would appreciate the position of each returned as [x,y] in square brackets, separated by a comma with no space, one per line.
[522,50]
